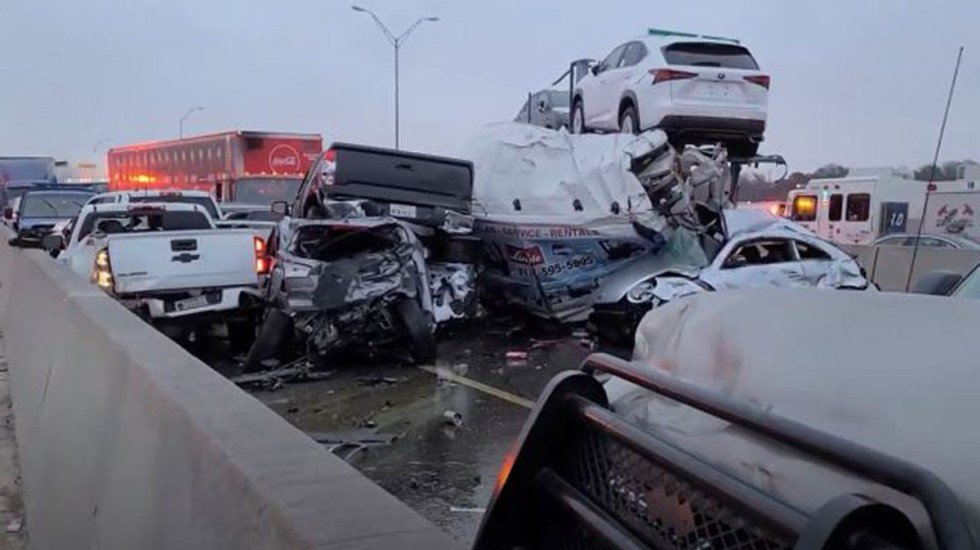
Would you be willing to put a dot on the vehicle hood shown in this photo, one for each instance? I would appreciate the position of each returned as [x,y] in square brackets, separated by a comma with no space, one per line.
[850,364]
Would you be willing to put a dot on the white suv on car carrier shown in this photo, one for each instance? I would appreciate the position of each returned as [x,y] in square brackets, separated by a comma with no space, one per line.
[698,89]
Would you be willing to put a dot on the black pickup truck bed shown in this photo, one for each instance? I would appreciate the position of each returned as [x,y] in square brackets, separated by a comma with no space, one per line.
[413,186]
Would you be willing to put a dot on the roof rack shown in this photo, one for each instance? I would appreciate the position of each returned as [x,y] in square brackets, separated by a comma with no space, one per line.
[663,32]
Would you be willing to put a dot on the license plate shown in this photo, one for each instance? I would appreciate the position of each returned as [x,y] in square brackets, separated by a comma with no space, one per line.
[403,211]
[191,303]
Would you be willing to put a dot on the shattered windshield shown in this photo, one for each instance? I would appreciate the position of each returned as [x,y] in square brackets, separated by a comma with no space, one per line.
[52,205]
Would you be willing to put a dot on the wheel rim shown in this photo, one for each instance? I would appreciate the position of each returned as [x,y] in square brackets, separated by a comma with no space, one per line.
[627,126]
[577,123]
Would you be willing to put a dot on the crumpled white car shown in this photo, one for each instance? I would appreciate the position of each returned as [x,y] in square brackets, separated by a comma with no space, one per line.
[761,251]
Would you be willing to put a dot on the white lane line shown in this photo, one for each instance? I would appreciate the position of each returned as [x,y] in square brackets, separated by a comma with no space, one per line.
[447,374]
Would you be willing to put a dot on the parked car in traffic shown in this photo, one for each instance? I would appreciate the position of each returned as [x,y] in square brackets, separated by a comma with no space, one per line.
[38,212]
[961,242]
[698,89]
[760,252]
[546,108]
[190,196]
[168,263]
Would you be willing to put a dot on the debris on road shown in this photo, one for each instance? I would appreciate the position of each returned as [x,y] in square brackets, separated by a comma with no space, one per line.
[299,370]
[15,525]
[453,417]
[378,380]
[516,355]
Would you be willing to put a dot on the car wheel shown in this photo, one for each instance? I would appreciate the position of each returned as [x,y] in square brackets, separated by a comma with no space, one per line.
[413,321]
[629,122]
[578,118]
[273,334]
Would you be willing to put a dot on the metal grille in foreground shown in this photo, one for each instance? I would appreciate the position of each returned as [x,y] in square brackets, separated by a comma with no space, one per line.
[656,505]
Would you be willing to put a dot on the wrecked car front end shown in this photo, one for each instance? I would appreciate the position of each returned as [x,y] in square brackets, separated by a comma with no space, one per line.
[357,283]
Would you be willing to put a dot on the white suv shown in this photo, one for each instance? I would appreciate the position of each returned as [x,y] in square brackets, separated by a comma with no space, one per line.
[699,89]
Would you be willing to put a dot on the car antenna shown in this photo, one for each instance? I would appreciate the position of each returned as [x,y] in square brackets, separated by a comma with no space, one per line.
[932,170]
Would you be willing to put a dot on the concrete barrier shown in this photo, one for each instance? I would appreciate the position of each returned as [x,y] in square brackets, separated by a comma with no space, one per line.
[127,441]
[888,266]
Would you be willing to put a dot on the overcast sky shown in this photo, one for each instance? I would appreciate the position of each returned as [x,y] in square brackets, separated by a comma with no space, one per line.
[862,83]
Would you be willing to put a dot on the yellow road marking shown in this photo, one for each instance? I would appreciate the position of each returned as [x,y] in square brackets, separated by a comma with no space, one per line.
[447,374]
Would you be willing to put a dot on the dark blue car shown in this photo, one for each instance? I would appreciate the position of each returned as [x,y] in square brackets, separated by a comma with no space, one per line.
[38,212]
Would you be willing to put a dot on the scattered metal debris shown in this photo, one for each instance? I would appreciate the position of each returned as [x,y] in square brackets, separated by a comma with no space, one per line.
[453,417]
[465,510]
[299,370]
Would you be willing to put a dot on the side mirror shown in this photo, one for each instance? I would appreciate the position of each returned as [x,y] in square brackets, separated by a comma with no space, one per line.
[53,242]
[8,212]
[595,70]
[281,208]
[937,283]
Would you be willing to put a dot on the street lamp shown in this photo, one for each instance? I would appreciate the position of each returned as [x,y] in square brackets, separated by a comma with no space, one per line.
[396,42]
[185,117]
[95,148]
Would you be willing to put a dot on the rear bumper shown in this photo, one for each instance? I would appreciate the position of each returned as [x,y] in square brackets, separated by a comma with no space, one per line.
[221,302]
[720,128]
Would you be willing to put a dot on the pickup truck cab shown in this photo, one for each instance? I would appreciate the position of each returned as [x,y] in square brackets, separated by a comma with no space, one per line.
[200,198]
[165,261]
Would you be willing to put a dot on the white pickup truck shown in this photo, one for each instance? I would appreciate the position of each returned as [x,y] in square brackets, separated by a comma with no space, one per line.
[166,261]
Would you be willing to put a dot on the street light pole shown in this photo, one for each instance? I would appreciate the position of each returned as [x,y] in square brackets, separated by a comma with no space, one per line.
[189,112]
[396,42]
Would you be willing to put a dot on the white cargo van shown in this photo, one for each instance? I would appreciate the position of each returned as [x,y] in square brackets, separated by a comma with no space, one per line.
[862,206]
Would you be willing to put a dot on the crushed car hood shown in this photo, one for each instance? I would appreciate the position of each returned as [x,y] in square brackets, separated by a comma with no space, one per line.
[893,372]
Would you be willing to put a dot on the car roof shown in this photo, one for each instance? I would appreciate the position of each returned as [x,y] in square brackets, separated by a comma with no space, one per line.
[156,193]
[661,40]
[121,207]
[58,191]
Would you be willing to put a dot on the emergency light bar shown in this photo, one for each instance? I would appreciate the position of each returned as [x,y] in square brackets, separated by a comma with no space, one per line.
[662,32]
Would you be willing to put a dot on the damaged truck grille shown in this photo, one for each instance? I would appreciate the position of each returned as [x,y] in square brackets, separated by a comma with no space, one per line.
[655,504]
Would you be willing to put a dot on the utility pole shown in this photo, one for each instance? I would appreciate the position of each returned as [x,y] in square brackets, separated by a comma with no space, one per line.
[396,42]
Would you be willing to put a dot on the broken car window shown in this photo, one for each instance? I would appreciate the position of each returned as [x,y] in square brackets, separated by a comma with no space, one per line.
[131,222]
[327,243]
[765,252]
[808,251]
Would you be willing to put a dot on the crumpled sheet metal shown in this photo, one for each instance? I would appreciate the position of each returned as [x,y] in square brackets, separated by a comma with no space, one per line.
[453,286]
[547,171]
[894,372]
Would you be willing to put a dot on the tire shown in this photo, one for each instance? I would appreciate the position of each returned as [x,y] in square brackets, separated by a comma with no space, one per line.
[629,121]
[459,249]
[275,330]
[413,321]
[743,150]
[241,333]
[578,118]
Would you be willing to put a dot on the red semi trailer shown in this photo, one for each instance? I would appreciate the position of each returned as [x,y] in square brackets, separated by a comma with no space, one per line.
[240,167]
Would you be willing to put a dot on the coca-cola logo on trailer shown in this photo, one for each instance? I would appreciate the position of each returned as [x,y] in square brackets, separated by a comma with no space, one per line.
[284,158]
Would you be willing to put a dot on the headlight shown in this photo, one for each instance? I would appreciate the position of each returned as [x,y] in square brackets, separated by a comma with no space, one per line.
[641,293]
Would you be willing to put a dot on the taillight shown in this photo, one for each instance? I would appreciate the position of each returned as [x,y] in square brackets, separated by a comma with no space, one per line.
[102,272]
[760,79]
[666,75]
[262,263]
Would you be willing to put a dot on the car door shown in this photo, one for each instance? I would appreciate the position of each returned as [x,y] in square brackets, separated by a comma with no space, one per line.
[595,95]
[615,82]
[755,263]
[814,260]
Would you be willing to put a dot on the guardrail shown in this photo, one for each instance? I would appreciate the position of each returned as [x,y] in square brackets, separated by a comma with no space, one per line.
[127,441]
[888,266]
